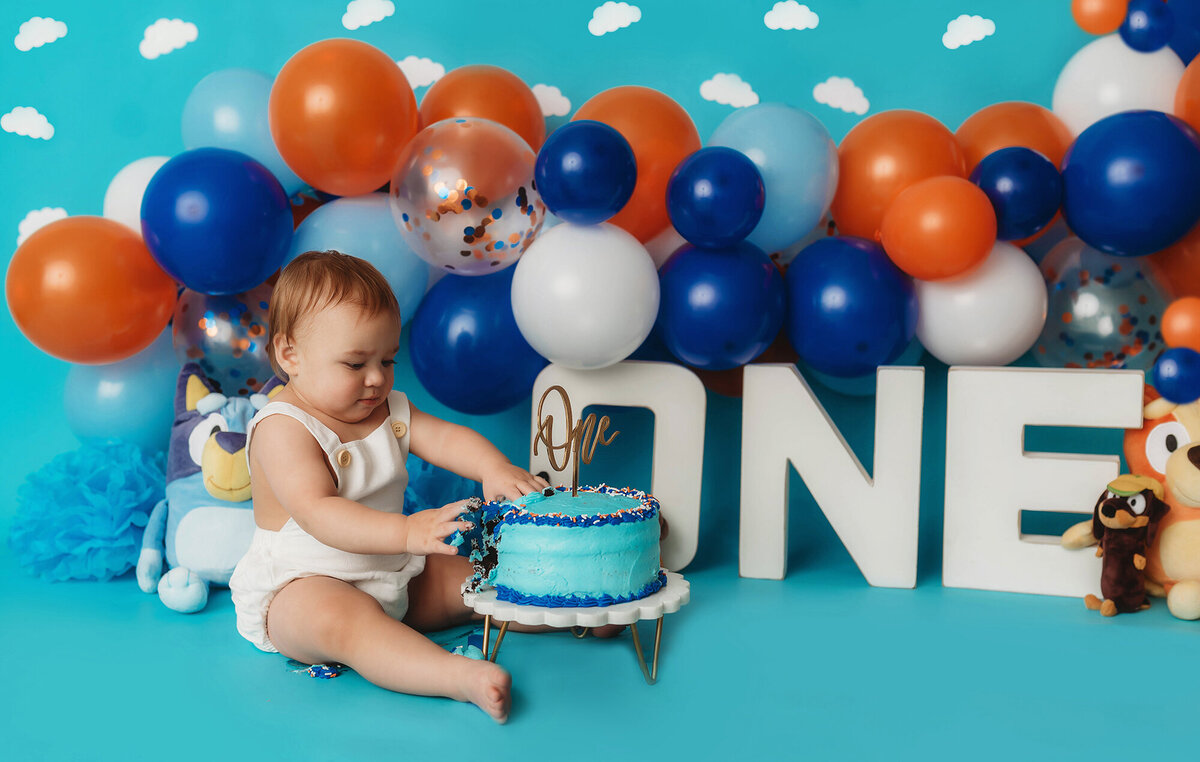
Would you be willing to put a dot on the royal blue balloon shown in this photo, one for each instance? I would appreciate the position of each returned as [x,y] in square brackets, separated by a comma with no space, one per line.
[216,220]
[719,308]
[465,346]
[1176,375]
[1129,182]
[1185,41]
[585,172]
[128,401]
[850,309]
[1148,25]
[362,226]
[1024,187]
[228,109]
[715,197]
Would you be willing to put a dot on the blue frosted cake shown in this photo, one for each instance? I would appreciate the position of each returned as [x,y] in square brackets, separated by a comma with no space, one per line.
[598,548]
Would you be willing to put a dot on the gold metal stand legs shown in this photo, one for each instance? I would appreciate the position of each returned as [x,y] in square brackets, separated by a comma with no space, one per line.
[651,674]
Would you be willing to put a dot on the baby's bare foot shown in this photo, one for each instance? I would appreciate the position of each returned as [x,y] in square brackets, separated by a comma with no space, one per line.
[489,687]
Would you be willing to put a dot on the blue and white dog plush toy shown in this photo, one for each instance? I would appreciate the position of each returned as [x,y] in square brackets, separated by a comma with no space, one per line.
[205,524]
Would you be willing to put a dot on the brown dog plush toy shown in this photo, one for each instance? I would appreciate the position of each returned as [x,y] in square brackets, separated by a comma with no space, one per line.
[1124,521]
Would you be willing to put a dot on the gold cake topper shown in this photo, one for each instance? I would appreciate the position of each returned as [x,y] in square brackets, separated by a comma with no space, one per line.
[579,432]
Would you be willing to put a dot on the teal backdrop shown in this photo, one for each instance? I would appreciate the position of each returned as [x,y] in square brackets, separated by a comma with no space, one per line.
[819,665]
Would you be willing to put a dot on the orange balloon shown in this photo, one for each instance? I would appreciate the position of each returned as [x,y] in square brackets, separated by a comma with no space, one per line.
[939,228]
[1013,123]
[488,92]
[661,134]
[87,290]
[1099,16]
[341,113]
[1177,267]
[884,154]
[1181,323]
[1187,95]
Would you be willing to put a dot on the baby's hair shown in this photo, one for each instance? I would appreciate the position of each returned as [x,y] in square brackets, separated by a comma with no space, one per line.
[319,279]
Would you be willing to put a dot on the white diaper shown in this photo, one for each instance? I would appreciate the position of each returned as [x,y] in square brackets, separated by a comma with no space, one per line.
[277,558]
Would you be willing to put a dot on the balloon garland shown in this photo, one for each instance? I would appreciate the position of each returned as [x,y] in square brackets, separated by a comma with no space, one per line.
[851,251]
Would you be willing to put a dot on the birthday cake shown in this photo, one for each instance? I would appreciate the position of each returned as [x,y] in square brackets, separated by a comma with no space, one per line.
[599,547]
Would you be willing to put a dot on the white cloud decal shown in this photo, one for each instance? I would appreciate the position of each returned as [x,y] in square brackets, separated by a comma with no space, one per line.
[967,29]
[25,120]
[37,32]
[790,15]
[728,89]
[360,13]
[166,35]
[841,93]
[421,72]
[552,101]
[38,218]
[613,16]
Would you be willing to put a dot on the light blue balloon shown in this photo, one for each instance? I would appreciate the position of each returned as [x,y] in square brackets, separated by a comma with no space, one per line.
[363,227]
[228,109]
[864,386]
[131,401]
[799,166]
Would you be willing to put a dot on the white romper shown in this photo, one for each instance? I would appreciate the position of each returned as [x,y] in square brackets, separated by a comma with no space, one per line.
[370,471]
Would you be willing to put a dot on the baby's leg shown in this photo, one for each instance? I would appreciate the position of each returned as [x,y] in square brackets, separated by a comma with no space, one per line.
[435,599]
[320,619]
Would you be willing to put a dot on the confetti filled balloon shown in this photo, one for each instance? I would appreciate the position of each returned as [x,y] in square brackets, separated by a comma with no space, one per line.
[1104,311]
[226,335]
[463,196]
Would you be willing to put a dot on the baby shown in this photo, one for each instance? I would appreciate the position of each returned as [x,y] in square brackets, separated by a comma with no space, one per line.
[335,572]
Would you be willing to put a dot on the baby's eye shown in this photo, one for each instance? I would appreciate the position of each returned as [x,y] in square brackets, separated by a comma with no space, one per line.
[388,363]
[353,365]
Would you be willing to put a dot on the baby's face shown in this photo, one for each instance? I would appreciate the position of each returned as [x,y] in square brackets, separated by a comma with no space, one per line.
[345,360]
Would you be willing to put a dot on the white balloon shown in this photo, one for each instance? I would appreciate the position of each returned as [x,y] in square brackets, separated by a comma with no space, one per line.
[989,316]
[585,296]
[1107,77]
[123,199]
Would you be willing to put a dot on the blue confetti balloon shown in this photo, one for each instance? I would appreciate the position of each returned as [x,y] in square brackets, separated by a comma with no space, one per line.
[1148,25]
[1103,311]
[226,335]
[1176,375]
[585,172]
[216,220]
[466,348]
[850,309]
[1129,182]
[715,197]
[1024,187]
[719,308]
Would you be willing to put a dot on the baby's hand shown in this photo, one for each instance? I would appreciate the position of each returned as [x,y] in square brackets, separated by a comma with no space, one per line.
[506,481]
[428,529]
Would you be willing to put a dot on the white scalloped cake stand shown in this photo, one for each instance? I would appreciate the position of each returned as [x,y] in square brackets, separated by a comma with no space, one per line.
[669,599]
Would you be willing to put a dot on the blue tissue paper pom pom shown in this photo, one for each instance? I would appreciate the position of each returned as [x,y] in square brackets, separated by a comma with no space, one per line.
[81,516]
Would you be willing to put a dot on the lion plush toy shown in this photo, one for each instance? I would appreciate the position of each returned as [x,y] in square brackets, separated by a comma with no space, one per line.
[1167,448]
[204,525]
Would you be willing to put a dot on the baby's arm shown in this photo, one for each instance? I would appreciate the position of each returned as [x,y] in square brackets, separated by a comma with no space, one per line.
[295,468]
[467,453]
